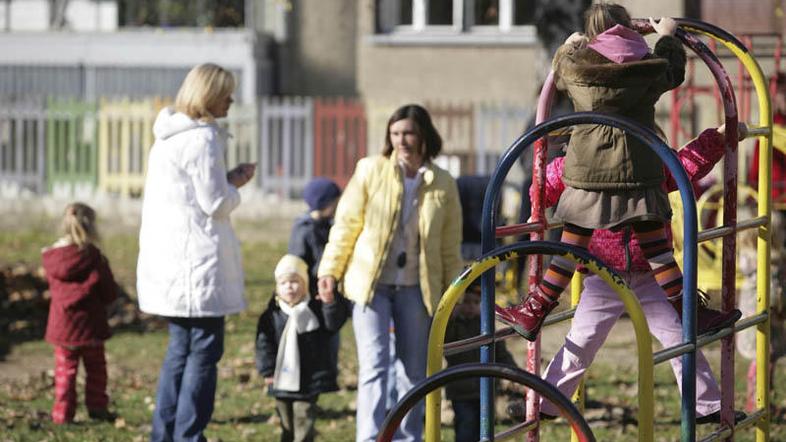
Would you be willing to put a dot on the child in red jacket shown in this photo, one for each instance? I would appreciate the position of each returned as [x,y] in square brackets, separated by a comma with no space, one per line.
[600,307]
[82,286]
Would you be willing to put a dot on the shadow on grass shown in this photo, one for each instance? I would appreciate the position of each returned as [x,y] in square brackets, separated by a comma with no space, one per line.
[250,419]
[332,413]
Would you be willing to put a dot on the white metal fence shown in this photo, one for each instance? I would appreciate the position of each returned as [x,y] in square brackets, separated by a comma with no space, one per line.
[61,146]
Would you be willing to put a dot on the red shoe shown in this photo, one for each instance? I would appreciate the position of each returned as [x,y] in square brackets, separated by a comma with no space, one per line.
[707,319]
[527,317]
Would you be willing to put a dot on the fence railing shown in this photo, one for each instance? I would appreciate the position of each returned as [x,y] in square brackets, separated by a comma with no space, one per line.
[67,146]
[22,146]
[125,135]
[71,150]
[287,136]
[339,138]
[455,123]
[496,127]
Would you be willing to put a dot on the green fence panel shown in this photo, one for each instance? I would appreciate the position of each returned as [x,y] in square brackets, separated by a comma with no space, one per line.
[72,146]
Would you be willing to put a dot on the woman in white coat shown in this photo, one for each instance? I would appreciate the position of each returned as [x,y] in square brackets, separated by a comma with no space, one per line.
[189,268]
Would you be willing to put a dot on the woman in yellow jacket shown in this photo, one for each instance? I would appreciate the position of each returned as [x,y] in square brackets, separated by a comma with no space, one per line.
[396,246]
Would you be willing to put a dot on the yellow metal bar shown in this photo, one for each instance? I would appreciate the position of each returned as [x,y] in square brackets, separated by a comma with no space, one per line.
[764,240]
[643,341]
[436,340]
[576,285]
[764,243]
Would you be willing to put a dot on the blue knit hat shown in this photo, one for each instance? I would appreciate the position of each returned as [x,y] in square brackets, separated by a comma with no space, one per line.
[320,192]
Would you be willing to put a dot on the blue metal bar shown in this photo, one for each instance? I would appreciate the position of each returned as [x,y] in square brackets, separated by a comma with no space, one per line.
[488,222]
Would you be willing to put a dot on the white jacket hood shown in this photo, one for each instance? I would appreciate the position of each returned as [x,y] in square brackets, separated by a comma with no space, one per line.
[169,123]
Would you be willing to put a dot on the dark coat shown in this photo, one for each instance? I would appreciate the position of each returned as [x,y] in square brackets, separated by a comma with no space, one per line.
[307,240]
[460,328]
[601,157]
[82,286]
[471,189]
[316,374]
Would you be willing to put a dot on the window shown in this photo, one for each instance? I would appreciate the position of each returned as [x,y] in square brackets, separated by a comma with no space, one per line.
[177,13]
[485,13]
[454,20]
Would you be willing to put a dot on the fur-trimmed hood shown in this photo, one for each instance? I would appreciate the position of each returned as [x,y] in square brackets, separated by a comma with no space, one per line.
[626,83]
[588,67]
[602,157]
[637,83]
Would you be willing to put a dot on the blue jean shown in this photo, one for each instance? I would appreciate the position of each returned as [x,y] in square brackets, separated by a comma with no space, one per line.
[466,420]
[187,383]
[371,324]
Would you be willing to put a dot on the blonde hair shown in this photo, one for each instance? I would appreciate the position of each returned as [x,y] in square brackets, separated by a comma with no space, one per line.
[79,224]
[601,17]
[204,87]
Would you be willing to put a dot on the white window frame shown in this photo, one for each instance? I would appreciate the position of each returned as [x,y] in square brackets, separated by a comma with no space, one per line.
[463,29]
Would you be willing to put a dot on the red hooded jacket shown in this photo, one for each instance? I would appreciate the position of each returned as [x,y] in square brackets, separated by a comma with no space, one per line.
[81,285]
[697,157]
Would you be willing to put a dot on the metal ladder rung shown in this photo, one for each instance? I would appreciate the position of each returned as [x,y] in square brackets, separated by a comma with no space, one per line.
[758,131]
[725,432]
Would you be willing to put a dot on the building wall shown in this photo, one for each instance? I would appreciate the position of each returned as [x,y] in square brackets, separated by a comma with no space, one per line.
[654,9]
[124,63]
[481,71]
[317,55]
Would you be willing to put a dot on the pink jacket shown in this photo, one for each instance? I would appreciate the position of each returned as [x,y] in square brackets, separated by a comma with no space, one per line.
[697,157]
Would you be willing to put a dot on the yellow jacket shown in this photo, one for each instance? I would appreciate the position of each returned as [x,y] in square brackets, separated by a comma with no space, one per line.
[368,214]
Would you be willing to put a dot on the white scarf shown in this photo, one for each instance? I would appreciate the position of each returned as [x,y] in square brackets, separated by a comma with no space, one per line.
[301,320]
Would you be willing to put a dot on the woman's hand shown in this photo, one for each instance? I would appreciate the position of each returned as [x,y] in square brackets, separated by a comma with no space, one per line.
[327,289]
[666,26]
[269,381]
[742,130]
[241,174]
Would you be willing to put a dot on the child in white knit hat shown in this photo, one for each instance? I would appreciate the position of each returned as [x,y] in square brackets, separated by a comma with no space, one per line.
[292,347]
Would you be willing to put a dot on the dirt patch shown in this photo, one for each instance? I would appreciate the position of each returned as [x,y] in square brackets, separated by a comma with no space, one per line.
[23,367]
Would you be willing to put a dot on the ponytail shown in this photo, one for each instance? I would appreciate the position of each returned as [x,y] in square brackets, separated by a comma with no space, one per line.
[79,224]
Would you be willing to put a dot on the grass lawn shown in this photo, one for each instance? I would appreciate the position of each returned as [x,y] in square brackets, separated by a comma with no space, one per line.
[243,411]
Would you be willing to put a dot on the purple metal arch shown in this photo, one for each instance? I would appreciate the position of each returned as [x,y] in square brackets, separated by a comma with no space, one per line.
[724,84]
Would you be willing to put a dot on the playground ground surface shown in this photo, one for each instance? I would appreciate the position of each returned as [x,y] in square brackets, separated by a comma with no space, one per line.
[243,411]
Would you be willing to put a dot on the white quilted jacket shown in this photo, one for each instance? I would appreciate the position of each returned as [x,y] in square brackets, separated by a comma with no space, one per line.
[189,258]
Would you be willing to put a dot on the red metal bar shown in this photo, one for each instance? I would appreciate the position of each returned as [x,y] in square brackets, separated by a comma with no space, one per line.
[535,268]
[728,263]
[518,229]
[535,262]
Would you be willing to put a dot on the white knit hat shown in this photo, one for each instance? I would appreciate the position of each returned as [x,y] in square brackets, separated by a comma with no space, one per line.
[291,264]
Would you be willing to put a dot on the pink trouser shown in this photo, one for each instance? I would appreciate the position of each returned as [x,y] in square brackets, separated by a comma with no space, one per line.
[596,314]
[66,365]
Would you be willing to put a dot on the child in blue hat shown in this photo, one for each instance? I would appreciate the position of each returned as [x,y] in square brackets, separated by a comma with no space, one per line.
[309,236]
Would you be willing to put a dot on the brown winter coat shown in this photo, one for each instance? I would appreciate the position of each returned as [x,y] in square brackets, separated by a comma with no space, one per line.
[605,158]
